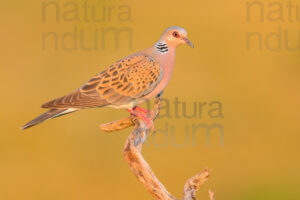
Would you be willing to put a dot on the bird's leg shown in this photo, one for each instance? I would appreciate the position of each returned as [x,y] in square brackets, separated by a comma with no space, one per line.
[141,109]
[145,111]
[134,113]
[145,117]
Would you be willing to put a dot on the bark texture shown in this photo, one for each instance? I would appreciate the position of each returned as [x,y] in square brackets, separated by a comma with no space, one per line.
[141,169]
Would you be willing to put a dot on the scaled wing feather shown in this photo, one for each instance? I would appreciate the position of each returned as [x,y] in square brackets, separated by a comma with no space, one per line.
[125,81]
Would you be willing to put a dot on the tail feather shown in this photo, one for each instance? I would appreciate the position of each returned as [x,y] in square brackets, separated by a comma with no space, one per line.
[52,113]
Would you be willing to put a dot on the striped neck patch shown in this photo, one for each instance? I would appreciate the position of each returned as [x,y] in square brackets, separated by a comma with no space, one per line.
[162,47]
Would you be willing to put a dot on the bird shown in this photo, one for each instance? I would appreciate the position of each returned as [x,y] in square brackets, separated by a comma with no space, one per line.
[127,83]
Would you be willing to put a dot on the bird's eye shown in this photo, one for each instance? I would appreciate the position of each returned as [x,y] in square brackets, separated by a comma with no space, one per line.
[176,34]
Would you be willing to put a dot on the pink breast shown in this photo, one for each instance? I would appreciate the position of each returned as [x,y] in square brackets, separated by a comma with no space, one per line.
[167,62]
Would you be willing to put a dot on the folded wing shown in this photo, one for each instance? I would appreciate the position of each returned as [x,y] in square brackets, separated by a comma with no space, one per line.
[123,82]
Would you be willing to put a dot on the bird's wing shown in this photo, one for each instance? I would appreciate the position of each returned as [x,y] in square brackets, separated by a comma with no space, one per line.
[125,81]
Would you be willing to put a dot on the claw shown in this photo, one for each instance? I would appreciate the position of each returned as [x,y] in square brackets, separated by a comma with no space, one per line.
[145,111]
[134,112]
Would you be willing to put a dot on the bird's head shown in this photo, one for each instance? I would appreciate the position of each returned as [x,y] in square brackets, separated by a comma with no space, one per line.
[175,36]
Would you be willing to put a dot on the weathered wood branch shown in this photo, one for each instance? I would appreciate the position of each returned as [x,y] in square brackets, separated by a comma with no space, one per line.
[141,169]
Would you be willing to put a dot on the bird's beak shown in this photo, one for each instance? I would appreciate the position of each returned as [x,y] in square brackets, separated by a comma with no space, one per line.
[188,42]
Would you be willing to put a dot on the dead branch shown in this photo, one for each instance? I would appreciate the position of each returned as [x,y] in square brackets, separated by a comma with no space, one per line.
[141,169]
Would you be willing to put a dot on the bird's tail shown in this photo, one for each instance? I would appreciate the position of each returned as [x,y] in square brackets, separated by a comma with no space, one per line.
[52,113]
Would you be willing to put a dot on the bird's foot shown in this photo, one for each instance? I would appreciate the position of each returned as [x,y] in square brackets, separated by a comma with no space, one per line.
[145,111]
[138,112]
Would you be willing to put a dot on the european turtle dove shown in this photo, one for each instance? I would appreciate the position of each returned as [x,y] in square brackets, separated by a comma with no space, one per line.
[127,83]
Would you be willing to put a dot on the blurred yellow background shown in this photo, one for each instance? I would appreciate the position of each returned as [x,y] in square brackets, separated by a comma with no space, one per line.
[70,158]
